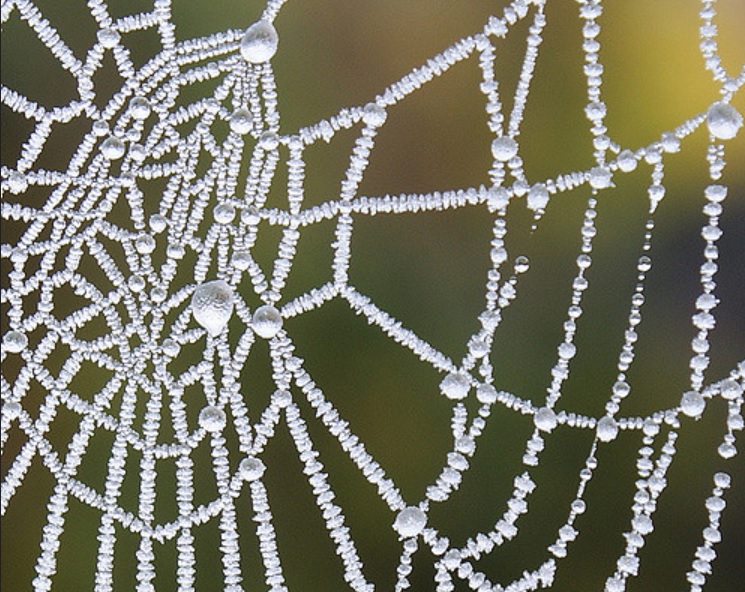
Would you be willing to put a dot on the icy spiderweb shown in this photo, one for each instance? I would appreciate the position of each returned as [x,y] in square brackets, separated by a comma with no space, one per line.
[170,303]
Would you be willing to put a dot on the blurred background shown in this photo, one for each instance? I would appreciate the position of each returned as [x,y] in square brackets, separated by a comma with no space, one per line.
[429,271]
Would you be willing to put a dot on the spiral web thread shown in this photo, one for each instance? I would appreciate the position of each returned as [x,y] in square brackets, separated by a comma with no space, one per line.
[130,281]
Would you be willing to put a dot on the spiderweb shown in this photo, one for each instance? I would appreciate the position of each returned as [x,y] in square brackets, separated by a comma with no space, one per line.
[136,301]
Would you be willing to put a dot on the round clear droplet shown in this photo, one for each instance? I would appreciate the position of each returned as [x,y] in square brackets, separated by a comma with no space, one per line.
[136,283]
[410,522]
[374,115]
[212,305]
[266,321]
[486,394]
[455,386]
[692,404]
[504,148]
[15,342]
[723,121]
[260,42]
[538,197]
[251,468]
[729,389]
[269,141]
[12,410]
[282,398]
[108,37]
[139,108]
[158,223]
[241,260]
[644,264]
[171,348]
[607,429]
[17,183]
[545,419]
[241,121]
[522,264]
[212,419]
[144,243]
[224,213]
[112,148]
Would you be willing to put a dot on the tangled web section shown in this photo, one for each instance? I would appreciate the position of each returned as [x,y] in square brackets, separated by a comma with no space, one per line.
[171,298]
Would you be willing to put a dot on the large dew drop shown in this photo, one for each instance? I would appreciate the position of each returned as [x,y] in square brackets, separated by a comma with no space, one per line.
[15,342]
[692,404]
[266,321]
[212,419]
[260,42]
[504,148]
[212,305]
[251,468]
[545,419]
[538,197]
[723,121]
[410,522]
[607,429]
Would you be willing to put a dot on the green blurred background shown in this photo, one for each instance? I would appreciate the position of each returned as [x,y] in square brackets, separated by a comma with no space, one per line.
[428,270]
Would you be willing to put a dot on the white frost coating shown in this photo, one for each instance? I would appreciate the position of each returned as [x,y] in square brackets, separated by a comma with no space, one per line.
[193,149]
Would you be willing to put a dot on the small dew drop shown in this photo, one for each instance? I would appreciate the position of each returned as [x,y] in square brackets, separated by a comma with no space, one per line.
[108,37]
[723,121]
[224,213]
[158,223]
[171,348]
[241,121]
[112,148]
[251,468]
[455,386]
[212,419]
[545,419]
[269,141]
[17,183]
[266,321]
[212,305]
[139,108]
[15,342]
[729,389]
[410,522]
[260,42]
[626,161]
[144,243]
[282,398]
[538,197]
[12,410]
[644,264]
[136,283]
[486,394]
[504,148]
[478,347]
[692,404]
[522,264]
[374,115]
[607,429]
[241,260]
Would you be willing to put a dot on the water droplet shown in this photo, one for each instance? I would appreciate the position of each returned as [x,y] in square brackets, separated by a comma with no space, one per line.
[599,177]
[241,260]
[266,321]
[478,347]
[722,479]
[112,148]
[504,148]
[251,468]
[374,115]
[567,351]
[692,404]
[12,410]
[522,264]
[241,121]
[538,197]
[607,429]
[626,161]
[212,305]
[260,42]
[158,223]
[455,386]
[15,342]
[621,389]
[545,419]
[644,264]
[212,419]
[108,38]
[136,283]
[144,243]
[158,295]
[723,121]
[729,389]
[17,183]
[282,398]
[716,193]
[224,213]
[410,521]
[269,141]
[171,348]
[486,394]
[139,108]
